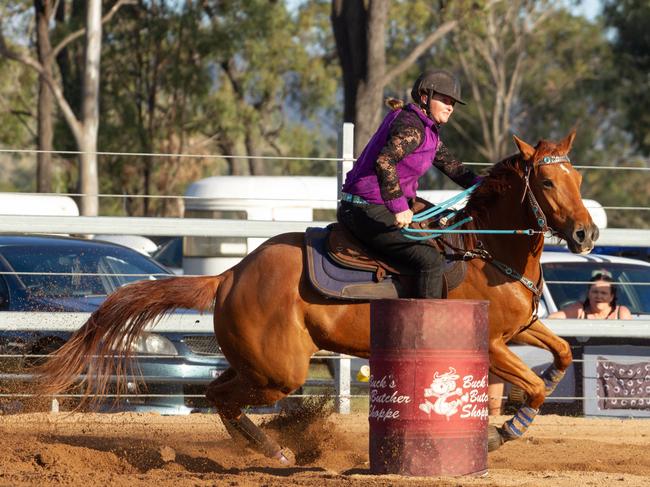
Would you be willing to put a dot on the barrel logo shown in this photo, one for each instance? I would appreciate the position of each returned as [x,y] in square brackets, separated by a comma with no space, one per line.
[446,397]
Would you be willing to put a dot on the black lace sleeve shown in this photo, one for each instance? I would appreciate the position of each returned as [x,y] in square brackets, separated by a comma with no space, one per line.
[453,168]
[405,136]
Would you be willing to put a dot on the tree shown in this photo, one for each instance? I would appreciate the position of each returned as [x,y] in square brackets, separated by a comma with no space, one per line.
[154,87]
[269,72]
[84,127]
[360,31]
[529,68]
[492,50]
[43,10]
[631,44]
[234,78]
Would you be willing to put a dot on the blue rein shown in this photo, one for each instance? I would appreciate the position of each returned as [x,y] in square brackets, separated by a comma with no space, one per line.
[423,215]
[412,233]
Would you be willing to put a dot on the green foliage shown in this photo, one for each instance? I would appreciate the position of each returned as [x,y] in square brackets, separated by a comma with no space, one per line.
[270,74]
[17,104]
[153,85]
[237,78]
[630,19]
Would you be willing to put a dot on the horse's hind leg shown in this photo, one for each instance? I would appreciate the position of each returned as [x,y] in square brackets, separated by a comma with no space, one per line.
[229,393]
[538,335]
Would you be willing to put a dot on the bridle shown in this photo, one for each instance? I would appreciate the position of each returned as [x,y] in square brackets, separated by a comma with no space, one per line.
[540,218]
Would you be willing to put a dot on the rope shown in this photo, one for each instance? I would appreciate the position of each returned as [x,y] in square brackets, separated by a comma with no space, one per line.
[282,158]
[155,154]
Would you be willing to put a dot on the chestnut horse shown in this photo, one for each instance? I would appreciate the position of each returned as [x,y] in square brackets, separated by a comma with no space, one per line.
[269,321]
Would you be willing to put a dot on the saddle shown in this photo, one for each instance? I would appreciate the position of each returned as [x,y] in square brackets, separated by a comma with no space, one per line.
[340,266]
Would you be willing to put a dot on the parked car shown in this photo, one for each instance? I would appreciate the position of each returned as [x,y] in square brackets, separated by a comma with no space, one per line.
[62,274]
[562,268]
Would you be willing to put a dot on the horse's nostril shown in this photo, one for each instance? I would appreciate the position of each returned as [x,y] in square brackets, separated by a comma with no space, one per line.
[595,233]
[580,236]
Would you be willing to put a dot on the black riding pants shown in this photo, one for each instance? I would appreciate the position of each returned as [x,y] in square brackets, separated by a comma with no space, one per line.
[375,226]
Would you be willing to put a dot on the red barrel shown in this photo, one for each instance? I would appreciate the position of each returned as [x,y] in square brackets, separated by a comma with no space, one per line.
[428,387]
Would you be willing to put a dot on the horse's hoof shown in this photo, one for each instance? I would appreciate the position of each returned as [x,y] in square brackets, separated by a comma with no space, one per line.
[517,395]
[285,456]
[495,440]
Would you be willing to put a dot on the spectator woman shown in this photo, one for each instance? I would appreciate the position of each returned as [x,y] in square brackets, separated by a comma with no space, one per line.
[600,303]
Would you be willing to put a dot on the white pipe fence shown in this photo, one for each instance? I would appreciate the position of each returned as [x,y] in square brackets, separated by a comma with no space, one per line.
[202,227]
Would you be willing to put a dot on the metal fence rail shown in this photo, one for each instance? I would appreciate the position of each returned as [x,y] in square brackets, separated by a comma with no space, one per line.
[201,227]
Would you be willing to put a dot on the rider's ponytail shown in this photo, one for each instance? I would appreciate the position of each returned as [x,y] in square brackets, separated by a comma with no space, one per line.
[394,103]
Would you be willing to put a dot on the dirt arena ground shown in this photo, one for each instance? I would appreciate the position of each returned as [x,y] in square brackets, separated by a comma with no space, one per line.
[150,450]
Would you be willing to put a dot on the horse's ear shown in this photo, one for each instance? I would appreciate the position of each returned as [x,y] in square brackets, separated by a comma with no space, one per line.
[568,141]
[525,148]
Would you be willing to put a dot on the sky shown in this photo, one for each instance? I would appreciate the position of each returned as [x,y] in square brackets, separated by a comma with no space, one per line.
[589,8]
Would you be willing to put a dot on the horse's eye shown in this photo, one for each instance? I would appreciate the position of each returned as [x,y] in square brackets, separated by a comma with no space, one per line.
[547,183]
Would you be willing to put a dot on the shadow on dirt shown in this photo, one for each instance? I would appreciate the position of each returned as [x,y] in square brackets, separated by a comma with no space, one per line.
[141,454]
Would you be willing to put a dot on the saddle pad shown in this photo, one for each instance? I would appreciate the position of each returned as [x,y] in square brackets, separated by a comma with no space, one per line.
[338,282]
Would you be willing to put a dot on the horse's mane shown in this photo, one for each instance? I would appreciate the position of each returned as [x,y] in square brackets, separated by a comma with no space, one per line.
[497,181]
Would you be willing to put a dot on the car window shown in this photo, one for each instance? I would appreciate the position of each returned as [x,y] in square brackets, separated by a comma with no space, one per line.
[170,253]
[56,271]
[119,272]
[635,297]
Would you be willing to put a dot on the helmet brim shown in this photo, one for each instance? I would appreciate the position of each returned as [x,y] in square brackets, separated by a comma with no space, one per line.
[457,100]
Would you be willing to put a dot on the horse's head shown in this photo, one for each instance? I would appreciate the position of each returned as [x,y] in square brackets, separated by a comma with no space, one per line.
[555,185]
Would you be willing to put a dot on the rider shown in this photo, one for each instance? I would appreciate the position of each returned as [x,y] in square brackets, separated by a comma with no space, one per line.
[377,193]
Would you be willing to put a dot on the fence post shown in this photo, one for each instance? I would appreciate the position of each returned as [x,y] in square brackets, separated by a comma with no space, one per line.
[342,372]
[346,152]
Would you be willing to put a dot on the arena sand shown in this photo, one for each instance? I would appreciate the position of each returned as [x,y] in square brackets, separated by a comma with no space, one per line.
[125,449]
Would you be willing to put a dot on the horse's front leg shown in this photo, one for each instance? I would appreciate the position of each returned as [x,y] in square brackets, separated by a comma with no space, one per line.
[507,365]
[538,335]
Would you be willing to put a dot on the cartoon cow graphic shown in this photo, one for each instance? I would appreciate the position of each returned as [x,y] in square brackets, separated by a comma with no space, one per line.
[444,389]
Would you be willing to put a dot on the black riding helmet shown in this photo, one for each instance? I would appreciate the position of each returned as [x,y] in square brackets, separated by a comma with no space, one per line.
[436,81]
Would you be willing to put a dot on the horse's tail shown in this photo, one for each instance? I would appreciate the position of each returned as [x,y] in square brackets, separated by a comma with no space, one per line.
[102,346]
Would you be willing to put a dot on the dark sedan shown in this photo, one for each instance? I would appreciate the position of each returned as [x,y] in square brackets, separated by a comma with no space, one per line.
[61,274]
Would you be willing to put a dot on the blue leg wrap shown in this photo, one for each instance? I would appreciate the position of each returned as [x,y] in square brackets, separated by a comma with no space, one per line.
[552,377]
[517,426]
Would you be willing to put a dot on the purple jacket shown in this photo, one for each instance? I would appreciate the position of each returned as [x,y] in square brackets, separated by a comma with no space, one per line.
[362,178]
